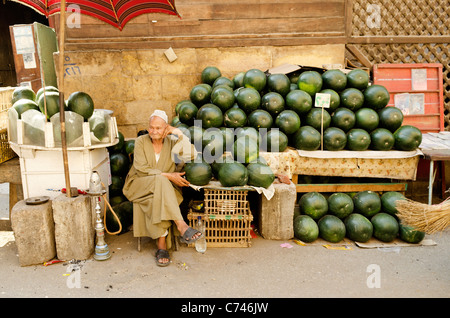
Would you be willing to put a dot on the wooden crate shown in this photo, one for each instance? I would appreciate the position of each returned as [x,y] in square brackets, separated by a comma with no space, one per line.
[224,201]
[6,152]
[232,230]
[227,217]
[398,79]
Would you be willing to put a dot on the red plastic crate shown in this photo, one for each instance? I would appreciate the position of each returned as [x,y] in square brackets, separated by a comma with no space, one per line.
[397,78]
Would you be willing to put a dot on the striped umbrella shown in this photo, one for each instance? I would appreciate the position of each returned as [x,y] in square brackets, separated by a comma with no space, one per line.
[115,12]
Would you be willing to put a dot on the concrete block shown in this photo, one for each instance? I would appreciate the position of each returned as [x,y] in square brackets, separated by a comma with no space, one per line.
[74,227]
[276,214]
[34,232]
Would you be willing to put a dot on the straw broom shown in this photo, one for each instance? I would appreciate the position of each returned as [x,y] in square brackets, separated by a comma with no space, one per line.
[423,217]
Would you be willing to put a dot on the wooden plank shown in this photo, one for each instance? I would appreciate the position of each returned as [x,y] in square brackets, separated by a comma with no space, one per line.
[211,27]
[205,42]
[350,187]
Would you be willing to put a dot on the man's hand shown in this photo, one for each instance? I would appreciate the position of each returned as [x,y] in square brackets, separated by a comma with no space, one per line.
[177,178]
[171,130]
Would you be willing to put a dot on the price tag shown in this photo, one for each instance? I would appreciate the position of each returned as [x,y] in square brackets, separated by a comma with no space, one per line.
[322,100]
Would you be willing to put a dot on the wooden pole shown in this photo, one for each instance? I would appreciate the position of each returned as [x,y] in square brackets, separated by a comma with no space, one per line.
[62,24]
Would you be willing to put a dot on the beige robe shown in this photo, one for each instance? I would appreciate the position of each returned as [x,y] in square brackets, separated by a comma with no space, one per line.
[155,199]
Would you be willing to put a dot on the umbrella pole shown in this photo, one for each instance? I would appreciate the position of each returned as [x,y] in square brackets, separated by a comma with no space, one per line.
[62,24]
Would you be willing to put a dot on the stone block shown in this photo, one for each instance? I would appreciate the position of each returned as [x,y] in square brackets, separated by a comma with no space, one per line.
[34,232]
[74,227]
[276,215]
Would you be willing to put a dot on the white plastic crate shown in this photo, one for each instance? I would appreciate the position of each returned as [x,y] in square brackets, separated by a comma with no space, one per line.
[42,171]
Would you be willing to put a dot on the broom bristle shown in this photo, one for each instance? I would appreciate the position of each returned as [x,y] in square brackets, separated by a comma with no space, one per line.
[423,217]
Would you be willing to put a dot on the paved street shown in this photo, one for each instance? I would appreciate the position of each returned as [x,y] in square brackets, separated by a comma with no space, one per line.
[264,270]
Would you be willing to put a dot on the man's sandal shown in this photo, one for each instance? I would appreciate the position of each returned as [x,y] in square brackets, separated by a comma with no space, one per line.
[188,236]
[161,254]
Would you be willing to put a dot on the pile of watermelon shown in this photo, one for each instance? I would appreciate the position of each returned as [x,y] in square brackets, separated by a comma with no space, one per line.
[121,159]
[281,109]
[358,216]
[46,100]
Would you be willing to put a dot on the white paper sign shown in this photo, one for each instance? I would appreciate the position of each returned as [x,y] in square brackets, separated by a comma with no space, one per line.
[322,100]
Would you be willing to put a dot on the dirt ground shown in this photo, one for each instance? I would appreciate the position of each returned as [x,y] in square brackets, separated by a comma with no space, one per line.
[267,269]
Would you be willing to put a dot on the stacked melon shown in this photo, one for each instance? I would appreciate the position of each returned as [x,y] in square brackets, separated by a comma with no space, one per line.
[281,109]
[121,159]
[358,216]
[46,101]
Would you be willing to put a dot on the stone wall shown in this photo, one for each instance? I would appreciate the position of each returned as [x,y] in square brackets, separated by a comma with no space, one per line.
[133,83]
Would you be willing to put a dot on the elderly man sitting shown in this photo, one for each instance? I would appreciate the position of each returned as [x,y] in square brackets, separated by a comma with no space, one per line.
[154,187]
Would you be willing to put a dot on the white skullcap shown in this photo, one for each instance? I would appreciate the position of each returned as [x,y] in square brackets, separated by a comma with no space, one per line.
[161,114]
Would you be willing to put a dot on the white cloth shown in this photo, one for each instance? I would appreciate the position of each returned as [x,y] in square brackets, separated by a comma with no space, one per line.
[161,114]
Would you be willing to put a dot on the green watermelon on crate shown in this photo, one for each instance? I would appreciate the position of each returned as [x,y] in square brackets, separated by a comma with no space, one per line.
[196,136]
[298,101]
[334,79]
[24,104]
[279,83]
[248,99]
[119,163]
[376,97]
[389,200]
[222,80]
[391,118]
[115,188]
[260,118]
[351,98]
[305,228]
[255,79]
[343,118]
[313,204]
[306,138]
[251,132]
[187,112]
[129,146]
[288,121]
[358,140]
[223,98]
[409,234]
[273,102]
[407,138]
[235,117]
[119,146]
[81,103]
[210,115]
[40,91]
[358,227]
[385,227]
[233,174]
[22,92]
[367,119]
[238,80]
[314,119]
[381,139]
[340,204]
[198,172]
[51,102]
[334,139]
[260,175]
[245,149]
[331,228]
[358,79]
[200,94]
[367,203]
[310,82]
[335,100]
[210,74]
[276,140]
